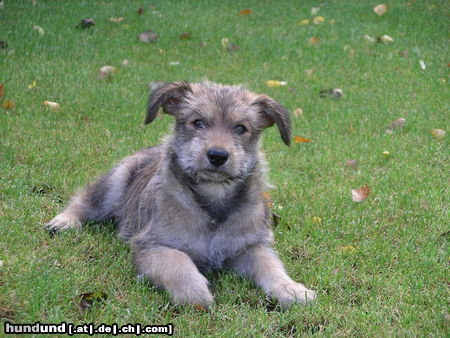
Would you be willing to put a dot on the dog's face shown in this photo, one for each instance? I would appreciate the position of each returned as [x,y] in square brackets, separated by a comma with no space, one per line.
[217,127]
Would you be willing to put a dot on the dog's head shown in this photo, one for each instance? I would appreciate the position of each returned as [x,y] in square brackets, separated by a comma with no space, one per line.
[217,127]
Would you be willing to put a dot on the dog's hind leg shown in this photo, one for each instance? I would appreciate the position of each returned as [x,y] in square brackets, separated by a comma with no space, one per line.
[99,201]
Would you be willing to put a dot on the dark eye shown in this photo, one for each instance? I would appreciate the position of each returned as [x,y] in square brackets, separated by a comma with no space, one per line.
[199,124]
[240,129]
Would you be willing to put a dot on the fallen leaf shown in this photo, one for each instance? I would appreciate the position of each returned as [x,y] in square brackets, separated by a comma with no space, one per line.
[2,90]
[333,93]
[51,105]
[32,85]
[8,104]
[88,299]
[422,65]
[185,36]
[400,122]
[274,83]
[224,42]
[106,72]
[199,307]
[353,164]
[86,23]
[315,10]
[313,40]
[385,39]
[140,10]
[348,248]
[39,29]
[117,20]
[368,38]
[303,22]
[267,199]
[245,12]
[360,194]
[318,20]
[298,139]
[148,36]
[380,9]
[438,134]
[298,112]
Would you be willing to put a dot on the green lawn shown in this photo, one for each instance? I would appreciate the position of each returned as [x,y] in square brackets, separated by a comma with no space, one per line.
[381,266]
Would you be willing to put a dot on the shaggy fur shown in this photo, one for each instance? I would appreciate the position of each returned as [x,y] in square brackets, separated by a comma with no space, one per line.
[196,202]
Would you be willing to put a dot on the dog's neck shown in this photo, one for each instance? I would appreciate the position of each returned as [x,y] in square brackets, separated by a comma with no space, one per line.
[218,199]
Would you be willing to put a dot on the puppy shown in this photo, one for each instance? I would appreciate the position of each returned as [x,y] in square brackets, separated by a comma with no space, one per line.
[196,202]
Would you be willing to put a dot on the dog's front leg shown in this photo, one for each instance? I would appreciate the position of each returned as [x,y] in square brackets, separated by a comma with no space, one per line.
[263,266]
[176,272]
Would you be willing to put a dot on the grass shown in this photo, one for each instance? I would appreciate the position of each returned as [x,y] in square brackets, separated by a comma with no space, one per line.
[380,266]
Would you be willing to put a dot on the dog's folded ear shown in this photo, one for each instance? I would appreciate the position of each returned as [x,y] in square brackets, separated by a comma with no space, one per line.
[169,97]
[275,113]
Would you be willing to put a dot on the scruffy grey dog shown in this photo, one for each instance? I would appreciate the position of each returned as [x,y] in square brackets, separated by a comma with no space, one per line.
[196,202]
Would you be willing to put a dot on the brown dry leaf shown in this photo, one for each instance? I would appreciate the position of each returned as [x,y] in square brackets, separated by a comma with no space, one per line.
[185,36]
[2,90]
[438,134]
[267,199]
[199,307]
[400,122]
[298,139]
[360,194]
[246,11]
[380,9]
[313,40]
[8,104]
[117,20]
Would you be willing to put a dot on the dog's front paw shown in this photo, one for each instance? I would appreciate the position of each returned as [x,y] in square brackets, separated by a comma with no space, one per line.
[62,222]
[195,293]
[292,292]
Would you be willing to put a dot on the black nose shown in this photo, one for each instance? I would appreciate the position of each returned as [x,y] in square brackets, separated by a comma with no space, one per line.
[217,157]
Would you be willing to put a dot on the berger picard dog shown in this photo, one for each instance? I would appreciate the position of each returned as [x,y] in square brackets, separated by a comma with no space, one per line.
[196,202]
